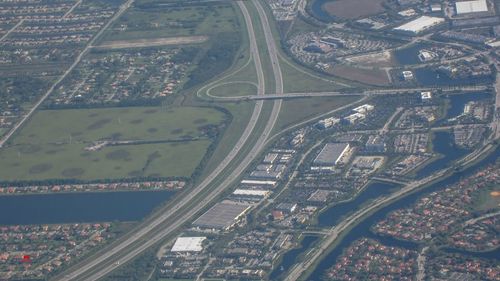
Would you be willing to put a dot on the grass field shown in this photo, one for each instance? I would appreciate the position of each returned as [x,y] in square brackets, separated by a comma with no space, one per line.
[300,109]
[366,76]
[296,79]
[52,145]
[160,21]
[233,89]
[488,198]
[352,9]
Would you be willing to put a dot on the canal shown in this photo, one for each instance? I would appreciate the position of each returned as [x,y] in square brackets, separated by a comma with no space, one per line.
[363,228]
[79,207]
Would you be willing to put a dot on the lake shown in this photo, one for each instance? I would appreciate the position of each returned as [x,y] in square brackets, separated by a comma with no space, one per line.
[457,102]
[443,143]
[79,207]
[428,77]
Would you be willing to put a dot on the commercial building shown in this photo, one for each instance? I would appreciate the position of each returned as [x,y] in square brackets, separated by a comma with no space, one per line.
[420,24]
[467,7]
[222,216]
[355,117]
[427,95]
[364,108]
[188,244]
[331,154]
[327,123]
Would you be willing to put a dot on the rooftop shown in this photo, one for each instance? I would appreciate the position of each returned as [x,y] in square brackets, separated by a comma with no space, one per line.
[188,244]
[222,216]
[465,7]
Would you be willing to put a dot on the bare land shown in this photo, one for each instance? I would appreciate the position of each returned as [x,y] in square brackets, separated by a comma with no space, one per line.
[379,59]
[353,9]
[141,43]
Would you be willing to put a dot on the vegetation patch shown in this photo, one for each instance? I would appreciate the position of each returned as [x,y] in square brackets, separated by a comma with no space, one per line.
[68,144]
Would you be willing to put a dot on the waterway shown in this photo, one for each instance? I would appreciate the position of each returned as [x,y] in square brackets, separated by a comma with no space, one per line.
[290,258]
[363,228]
[443,143]
[334,214]
[79,207]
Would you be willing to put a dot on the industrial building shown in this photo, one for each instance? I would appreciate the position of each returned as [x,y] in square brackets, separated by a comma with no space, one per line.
[467,7]
[222,216]
[420,24]
[331,154]
[188,244]
[250,194]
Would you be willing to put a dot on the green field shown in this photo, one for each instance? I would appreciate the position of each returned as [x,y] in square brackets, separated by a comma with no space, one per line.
[167,142]
[485,200]
[233,89]
[155,21]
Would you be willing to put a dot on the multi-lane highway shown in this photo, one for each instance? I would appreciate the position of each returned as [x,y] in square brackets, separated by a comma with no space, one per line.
[159,227]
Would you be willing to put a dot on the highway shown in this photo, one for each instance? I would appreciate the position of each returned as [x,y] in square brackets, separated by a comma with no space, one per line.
[122,9]
[171,219]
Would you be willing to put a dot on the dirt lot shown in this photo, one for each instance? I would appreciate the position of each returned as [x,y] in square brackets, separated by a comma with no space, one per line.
[366,76]
[352,9]
[380,59]
[140,43]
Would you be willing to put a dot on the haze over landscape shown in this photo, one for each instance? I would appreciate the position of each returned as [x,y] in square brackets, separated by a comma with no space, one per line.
[167,140]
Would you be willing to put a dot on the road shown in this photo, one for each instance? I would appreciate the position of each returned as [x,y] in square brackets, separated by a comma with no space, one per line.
[394,91]
[171,219]
[28,115]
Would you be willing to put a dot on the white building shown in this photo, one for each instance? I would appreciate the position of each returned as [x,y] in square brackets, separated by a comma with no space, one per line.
[188,244]
[420,24]
[364,108]
[355,117]
[466,7]
[407,75]
[426,95]
[328,122]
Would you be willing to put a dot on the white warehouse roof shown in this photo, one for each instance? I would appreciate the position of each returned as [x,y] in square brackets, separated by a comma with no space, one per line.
[420,24]
[465,7]
[251,192]
[188,244]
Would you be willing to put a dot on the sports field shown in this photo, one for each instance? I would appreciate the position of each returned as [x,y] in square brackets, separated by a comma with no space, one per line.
[142,141]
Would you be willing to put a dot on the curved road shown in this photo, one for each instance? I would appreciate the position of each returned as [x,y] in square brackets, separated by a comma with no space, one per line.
[165,224]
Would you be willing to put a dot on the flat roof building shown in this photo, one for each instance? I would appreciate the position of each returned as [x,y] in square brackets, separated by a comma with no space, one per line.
[331,154]
[364,108]
[251,192]
[188,244]
[420,24]
[466,7]
[223,215]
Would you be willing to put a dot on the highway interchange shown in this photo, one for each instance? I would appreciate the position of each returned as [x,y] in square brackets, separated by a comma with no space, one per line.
[157,229]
